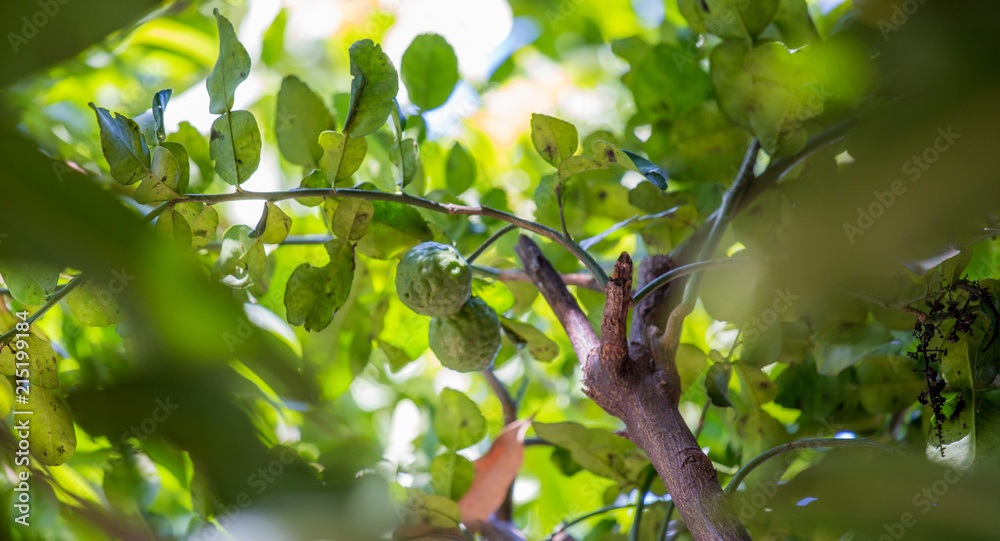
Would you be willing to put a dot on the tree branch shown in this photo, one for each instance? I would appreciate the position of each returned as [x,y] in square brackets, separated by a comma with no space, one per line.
[811,443]
[506,511]
[577,279]
[552,287]
[407,199]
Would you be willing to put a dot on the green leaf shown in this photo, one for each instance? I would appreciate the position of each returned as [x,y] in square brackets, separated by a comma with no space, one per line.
[554,139]
[598,451]
[235,146]
[94,306]
[418,509]
[458,422]
[758,432]
[840,344]
[609,153]
[341,156]
[231,69]
[451,475]
[274,39]
[163,180]
[43,370]
[241,255]
[160,100]
[183,165]
[197,148]
[668,82]
[52,437]
[429,70]
[888,383]
[174,226]
[394,229]
[494,293]
[396,357]
[795,24]
[965,365]
[409,153]
[755,387]
[575,165]
[762,348]
[704,146]
[301,116]
[729,18]
[691,362]
[273,226]
[132,482]
[29,283]
[730,81]
[123,146]
[352,217]
[316,179]
[541,347]
[373,89]
[314,294]
[648,169]
[717,384]
[460,170]
[970,431]
[203,219]
[6,398]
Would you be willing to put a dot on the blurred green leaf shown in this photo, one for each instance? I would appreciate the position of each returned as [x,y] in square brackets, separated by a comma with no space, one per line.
[451,475]
[430,71]
[301,116]
[458,422]
[460,170]
[52,437]
[29,282]
[541,347]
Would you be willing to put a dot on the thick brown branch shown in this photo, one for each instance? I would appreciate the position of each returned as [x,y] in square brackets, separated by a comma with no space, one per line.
[614,334]
[552,287]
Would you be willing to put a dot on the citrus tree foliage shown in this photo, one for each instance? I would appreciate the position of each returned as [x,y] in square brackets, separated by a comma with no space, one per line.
[826,177]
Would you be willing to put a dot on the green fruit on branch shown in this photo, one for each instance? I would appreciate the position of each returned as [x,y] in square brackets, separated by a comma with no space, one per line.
[468,340]
[433,279]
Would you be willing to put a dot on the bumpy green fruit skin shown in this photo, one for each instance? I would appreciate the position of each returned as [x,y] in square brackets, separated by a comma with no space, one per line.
[433,279]
[468,340]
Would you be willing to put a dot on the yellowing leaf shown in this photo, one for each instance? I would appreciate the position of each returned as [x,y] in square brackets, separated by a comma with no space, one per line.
[31,357]
[52,437]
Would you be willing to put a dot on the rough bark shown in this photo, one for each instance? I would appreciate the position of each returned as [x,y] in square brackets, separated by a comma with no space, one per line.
[632,378]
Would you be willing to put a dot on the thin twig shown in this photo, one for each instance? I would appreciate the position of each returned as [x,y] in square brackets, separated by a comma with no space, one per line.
[587,243]
[811,443]
[506,510]
[730,200]
[886,303]
[489,242]
[577,279]
[407,199]
[570,523]
[680,272]
[640,503]
[53,300]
